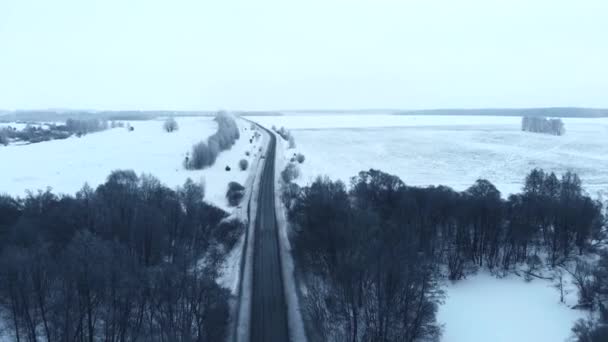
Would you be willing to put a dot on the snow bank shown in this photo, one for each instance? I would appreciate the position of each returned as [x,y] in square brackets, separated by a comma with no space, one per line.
[65,165]
[448,150]
[483,308]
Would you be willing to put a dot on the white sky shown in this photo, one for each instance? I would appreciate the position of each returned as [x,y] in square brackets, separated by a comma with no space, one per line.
[283,54]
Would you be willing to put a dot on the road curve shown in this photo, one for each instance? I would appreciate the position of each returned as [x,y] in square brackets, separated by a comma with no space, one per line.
[268,310]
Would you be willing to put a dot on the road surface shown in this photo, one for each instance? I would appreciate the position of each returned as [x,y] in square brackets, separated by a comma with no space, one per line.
[268,309]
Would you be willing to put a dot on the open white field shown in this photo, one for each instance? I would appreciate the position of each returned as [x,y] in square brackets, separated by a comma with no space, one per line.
[448,150]
[65,165]
[483,308]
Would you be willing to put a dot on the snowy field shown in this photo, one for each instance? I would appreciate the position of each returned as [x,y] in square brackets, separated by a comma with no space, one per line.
[483,308]
[65,165]
[448,150]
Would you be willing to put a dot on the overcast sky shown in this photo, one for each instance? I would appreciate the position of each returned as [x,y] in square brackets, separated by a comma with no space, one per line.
[282,54]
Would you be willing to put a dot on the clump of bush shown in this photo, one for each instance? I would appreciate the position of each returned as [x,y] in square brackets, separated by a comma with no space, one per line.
[284,133]
[84,126]
[228,232]
[300,158]
[170,125]
[542,125]
[4,136]
[243,164]
[202,156]
[235,193]
[115,124]
[203,153]
[290,173]
[292,142]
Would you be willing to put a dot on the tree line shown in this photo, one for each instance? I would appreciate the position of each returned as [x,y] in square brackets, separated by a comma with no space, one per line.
[372,254]
[542,125]
[35,134]
[204,153]
[131,260]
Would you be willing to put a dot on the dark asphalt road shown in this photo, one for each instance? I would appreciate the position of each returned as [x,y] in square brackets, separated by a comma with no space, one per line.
[268,309]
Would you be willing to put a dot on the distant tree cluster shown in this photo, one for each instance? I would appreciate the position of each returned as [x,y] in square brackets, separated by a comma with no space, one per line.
[372,254]
[170,125]
[39,133]
[119,263]
[203,153]
[542,125]
[84,126]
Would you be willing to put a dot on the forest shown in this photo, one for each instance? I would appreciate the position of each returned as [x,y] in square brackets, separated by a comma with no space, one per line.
[131,260]
[372,255]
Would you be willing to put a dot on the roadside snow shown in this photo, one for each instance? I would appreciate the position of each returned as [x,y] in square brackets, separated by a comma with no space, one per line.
[65,165]
[449,150]
[483,308]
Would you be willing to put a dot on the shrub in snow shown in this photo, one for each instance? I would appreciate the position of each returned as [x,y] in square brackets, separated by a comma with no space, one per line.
[170,125]
[290,173]
[247,153]
[3,136]
[243,164]
[235,193]
[292,141]
[300,158]
[228,232]
[228,168]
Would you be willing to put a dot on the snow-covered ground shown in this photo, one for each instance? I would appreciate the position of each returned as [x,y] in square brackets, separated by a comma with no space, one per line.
[65,165]
[448,150]
[483,308]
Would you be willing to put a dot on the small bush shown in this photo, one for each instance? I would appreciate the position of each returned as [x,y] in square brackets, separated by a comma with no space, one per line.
[228,232]
[235,193]
[290,173]
[243,164]
[247,153]
[3,136]
[170,125]
[292,142]
[300,158]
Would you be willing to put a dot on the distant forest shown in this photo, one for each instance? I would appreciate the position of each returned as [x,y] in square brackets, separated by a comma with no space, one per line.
[557,112]
[62,115]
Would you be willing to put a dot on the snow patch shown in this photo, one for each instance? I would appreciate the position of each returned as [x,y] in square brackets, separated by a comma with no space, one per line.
[484,308]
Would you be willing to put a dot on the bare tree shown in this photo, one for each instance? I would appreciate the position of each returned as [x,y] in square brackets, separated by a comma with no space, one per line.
[170,125]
